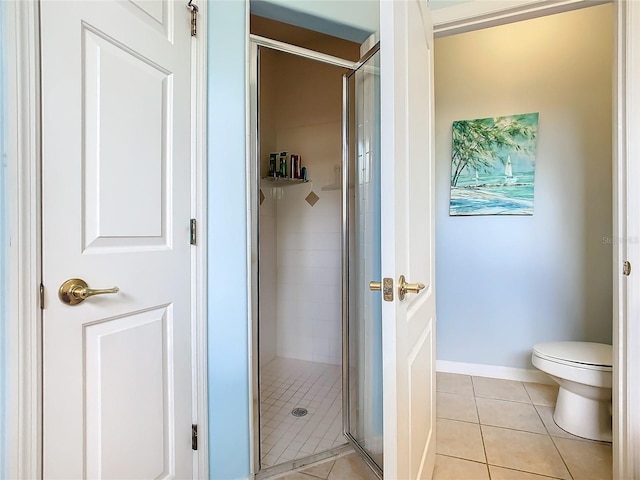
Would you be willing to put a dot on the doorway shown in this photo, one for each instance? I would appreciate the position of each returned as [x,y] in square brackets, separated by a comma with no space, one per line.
[311,347]
[299,294]
[501,306]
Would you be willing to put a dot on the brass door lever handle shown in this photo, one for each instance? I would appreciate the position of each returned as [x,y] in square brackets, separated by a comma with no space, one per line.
[404,287]
[76,290]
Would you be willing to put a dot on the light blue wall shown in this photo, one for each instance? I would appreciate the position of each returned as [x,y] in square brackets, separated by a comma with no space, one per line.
[505,283]
[352,20]
[229,400]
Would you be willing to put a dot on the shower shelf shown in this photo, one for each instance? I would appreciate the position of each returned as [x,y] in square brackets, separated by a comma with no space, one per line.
[282,182]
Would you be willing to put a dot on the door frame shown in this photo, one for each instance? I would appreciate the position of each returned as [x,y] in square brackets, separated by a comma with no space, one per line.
[24,320]
[476,15]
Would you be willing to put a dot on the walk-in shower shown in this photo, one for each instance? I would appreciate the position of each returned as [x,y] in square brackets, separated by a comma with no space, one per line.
[316,327]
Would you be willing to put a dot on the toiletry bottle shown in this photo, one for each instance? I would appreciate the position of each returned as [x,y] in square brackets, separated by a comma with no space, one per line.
[273,160]
[283,164]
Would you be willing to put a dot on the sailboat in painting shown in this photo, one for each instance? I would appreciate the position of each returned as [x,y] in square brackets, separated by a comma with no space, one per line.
[508,172]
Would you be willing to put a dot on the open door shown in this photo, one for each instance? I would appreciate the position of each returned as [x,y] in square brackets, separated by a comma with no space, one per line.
[407,234]
[389,356]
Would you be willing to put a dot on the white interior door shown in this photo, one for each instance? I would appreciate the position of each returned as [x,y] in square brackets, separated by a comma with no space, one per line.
[407,224]
[116,207]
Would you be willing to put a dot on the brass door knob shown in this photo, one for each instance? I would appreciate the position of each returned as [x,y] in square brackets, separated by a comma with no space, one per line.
[404,287]
[76,290]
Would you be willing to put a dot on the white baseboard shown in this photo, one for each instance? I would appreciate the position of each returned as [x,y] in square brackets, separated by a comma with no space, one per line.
[493,371]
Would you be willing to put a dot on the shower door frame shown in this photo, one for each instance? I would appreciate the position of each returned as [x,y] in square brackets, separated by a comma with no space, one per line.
[253,187]
[346,153]
[253,219]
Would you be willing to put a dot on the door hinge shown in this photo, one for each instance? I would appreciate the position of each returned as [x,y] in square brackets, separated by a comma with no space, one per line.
[194,437]
[193,230]
[626,268]
[41,296]
[194,17]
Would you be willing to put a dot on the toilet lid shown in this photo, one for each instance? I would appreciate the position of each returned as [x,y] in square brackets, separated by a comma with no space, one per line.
[586,353]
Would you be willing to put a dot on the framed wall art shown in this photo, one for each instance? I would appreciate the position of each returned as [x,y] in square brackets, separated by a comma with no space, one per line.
[493,165]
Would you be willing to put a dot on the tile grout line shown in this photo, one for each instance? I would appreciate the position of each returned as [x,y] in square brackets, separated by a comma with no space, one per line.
[528,473]
[549,435]
[543,424]
[484,448]
[561,457]
[543,408]
[499,466]
[461,458]
[547,430]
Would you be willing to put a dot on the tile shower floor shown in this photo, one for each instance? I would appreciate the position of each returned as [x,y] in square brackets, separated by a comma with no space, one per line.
[490,429]
[286,384]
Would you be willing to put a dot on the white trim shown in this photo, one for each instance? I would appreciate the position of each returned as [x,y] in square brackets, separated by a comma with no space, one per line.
[199,339]
[619,230]
[493,371]
[626,319]
[23,185]
[479,14]
[252,178]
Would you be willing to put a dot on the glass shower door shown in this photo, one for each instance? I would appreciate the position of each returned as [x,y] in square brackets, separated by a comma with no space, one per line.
[362,361]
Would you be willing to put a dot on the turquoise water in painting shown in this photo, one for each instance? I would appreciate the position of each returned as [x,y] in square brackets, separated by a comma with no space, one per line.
[493,195]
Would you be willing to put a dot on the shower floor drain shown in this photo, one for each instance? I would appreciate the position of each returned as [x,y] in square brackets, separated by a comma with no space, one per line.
[299,412]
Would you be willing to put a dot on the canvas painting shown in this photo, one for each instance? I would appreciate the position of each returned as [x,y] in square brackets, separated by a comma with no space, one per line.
[493,165]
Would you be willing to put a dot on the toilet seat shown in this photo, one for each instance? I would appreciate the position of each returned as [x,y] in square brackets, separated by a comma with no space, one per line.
[587,355]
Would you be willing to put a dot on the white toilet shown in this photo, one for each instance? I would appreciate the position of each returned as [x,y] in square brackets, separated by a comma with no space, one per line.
[583,372]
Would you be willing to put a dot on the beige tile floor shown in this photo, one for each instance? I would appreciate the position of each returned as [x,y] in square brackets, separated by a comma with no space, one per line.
[346,467]
[504,430]
[490,429]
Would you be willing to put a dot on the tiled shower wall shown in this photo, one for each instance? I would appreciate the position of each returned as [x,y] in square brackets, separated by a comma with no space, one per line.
[308,231]
[309,280]
[303,221]
[300,274]
[268,279]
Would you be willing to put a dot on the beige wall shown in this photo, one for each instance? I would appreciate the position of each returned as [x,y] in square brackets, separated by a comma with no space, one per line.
[505,283]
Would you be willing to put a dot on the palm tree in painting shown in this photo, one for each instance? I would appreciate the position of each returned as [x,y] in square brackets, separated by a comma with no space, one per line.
[477,143]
